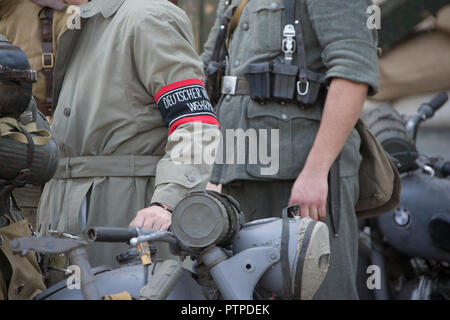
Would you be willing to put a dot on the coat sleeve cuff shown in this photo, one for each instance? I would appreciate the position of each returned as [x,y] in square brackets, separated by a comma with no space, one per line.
[354,60]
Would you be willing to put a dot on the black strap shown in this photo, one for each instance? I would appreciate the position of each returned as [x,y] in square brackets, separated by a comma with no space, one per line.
[284,250]
[301,54]
[219,51]
[290,13]
[334,197]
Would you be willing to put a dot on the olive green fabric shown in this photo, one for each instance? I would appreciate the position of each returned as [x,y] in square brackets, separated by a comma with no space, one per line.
[379,179]
[114,146]
[338,44]
[20,277]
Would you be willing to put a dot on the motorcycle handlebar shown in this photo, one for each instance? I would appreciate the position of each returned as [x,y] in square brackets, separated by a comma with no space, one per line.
[426,111]
[106,234]
[438,101]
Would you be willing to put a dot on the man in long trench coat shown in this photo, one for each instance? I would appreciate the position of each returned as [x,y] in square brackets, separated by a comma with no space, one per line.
[124,81]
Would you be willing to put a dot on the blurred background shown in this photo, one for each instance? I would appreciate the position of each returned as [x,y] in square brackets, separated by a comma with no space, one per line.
[414,42]
[203,15]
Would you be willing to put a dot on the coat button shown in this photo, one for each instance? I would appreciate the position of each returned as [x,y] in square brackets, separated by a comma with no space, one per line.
[191,178]
[274,5]
[227,98]
[67,112]
[237,63]
[19,289]
[284,116]
[245,26]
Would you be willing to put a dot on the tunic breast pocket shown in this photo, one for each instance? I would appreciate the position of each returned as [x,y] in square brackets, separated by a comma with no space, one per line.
[266,19]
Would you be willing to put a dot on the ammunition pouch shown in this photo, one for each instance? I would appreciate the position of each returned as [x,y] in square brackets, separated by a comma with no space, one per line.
[274,81]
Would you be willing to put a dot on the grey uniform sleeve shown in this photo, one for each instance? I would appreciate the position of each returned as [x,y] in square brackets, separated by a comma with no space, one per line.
[348,46]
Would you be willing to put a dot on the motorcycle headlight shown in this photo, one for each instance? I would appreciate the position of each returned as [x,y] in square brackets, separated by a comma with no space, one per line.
[205,218]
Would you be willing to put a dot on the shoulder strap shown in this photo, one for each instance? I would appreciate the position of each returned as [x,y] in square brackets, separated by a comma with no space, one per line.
[235,20]
[47,59]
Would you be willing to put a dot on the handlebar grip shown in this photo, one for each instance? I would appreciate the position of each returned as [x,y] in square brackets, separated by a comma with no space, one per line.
[106,234]
[438,101]
[446,169]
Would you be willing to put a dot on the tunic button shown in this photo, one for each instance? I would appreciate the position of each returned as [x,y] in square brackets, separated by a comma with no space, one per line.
[245,26]
[191,178]
[67,112]
[284,116]
[274,5]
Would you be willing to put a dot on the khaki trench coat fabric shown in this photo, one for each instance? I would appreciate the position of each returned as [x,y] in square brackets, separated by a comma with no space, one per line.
[19,22]
[337,44]
[114,146]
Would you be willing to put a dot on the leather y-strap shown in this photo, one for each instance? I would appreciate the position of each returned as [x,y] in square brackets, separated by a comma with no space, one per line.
[47,59]
[235,20]
[301,54]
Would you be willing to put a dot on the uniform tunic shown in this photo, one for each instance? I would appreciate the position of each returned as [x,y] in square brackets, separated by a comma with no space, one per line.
[337,44]
[113,136]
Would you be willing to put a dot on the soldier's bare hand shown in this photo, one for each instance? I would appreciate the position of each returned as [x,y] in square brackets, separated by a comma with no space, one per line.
[310,193]
[154,217]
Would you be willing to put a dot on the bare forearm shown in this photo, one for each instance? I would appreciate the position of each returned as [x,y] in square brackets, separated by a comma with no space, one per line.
[342,109]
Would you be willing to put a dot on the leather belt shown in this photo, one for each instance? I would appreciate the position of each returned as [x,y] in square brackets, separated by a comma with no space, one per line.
[235,86]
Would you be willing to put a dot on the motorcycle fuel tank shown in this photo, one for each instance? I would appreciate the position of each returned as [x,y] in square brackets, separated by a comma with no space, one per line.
[420,226]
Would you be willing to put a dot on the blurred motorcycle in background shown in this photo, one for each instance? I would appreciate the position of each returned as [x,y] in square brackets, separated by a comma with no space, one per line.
[405,254]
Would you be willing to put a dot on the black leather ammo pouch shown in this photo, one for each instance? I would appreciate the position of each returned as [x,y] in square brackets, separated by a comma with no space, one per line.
[258,76]
[273,81]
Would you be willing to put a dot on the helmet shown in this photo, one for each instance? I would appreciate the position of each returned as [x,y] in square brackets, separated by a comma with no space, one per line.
[16,79]
[21,155]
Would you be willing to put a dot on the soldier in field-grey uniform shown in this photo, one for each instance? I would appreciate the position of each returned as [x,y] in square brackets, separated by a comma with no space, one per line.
[334,48]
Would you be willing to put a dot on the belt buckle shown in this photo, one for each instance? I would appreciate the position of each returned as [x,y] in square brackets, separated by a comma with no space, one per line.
[51,64]
[229,85]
